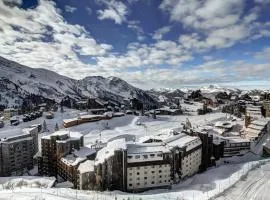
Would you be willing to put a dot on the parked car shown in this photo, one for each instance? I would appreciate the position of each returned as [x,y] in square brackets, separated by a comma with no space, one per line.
[26,118]
[2,124]
[14,121]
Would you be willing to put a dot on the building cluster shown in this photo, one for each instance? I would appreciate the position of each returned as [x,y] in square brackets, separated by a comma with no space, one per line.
[155,162]
[63,154]
[17,152]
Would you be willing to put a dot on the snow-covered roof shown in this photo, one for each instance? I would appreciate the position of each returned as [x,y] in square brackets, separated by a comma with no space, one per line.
[237,139]
[183,140]
[70,135]
[29,129]
[69,120]
[72,160]
[78,156]
[223,124]
[168,109]
[17,138]
[84,152]
[86,166]
[109,150]
[260,122]
[138,148]
[256,127]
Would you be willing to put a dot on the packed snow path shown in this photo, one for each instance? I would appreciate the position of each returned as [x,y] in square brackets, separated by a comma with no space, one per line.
[255,186]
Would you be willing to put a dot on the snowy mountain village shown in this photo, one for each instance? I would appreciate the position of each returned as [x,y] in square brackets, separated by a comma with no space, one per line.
[131,145]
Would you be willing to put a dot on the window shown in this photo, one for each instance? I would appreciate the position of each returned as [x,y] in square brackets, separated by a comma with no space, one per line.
[153,172]
[159,155]
[130,157]
[138,168]
[137,156]
[138,173]
[138,183]
[153,182]
[145,172]
[130,185]
[152,155]
[160,171]
[145,167]
[138,178]
[160,176]
[145,178]
[130,174]
[145,156]
[130,179]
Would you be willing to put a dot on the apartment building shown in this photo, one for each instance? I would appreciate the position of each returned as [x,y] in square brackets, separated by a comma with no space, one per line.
[151,163]
[252,113]
[10,112]
[67,166]
[16,152]
[54,147]
[257,128]
[266,106]
[148,166]
[236,146]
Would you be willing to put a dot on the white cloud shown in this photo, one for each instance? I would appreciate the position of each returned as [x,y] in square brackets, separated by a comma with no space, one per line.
[135,26]
[158,35]
[207,58]
[40,37]
[204,14]
[70,9]
[263,55]
[215,23]
[115,10]
[24,33]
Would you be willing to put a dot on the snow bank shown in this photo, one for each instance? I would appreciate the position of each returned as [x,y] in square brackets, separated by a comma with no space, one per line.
[26,182]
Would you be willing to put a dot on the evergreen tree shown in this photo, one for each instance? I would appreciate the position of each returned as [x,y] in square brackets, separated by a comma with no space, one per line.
[154,115]
[56,127]
[45,129]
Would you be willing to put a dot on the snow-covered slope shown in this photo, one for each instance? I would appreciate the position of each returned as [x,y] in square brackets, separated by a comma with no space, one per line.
[18,80]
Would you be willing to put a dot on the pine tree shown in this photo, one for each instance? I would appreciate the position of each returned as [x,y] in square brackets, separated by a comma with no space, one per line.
[56,127]
[154,115]
[45,129]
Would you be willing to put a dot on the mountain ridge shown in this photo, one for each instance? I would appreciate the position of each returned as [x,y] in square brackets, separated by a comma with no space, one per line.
[18,81]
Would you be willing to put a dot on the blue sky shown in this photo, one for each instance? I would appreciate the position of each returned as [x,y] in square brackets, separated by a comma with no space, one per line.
[149,43]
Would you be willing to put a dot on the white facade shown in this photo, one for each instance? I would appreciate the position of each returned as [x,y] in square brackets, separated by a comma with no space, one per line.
[191,163]
[148,176]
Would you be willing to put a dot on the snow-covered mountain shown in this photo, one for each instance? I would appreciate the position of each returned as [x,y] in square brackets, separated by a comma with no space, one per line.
[17,81]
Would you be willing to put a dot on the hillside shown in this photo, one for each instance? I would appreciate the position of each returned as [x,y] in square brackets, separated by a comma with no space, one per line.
[17,81]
